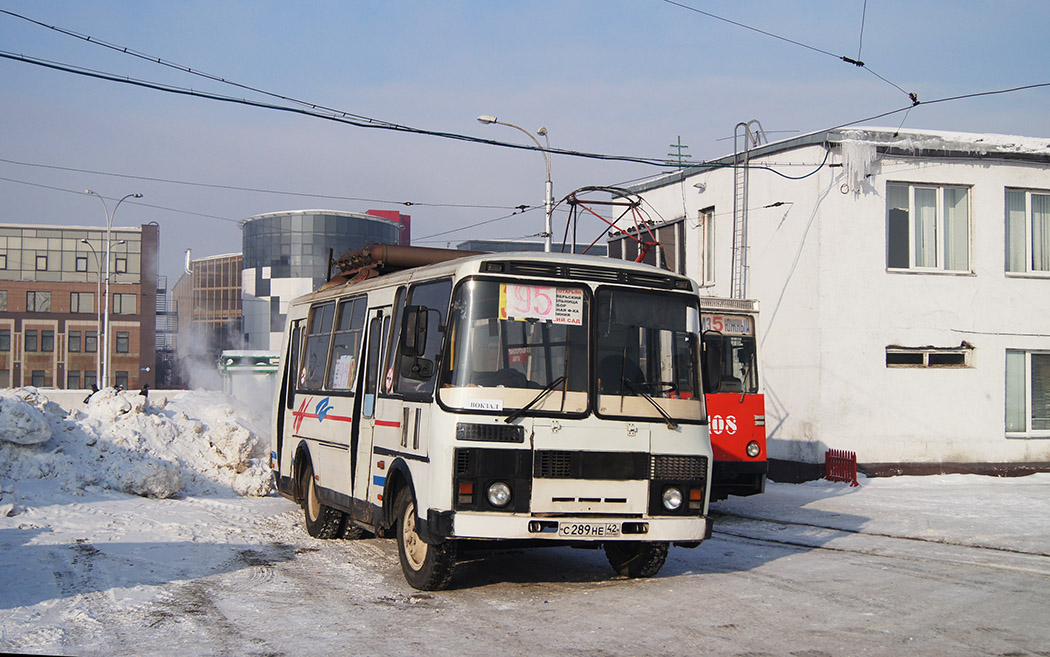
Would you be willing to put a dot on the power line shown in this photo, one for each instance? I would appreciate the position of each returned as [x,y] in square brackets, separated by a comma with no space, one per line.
[849,60]
[186,91]
[139,203]
[256,189]
[186,69]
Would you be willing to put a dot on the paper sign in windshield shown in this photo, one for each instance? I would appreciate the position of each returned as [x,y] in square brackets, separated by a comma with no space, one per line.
[550,304]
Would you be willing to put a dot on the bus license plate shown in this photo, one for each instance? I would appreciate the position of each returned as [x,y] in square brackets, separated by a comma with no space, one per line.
[589,529]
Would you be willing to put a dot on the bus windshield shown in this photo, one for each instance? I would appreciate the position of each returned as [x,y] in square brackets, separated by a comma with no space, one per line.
[647,356]
[512,345]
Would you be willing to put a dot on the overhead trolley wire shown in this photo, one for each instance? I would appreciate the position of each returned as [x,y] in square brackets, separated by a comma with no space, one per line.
[849,60]
[256,189]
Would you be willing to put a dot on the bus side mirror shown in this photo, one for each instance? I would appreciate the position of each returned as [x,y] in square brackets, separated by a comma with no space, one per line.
[414,343]
[712,362]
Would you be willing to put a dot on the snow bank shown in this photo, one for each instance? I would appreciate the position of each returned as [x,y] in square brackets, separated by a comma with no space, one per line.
[191,443]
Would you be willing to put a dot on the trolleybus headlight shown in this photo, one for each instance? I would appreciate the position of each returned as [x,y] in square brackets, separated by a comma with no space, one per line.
[499,494]
[753,449]
[672,498]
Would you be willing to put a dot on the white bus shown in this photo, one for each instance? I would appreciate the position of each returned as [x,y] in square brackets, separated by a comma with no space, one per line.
[528,397]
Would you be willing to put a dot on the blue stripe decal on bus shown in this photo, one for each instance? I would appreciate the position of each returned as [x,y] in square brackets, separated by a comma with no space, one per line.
[378,481]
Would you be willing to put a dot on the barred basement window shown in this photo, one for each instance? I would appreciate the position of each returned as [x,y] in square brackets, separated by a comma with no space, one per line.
[960,356]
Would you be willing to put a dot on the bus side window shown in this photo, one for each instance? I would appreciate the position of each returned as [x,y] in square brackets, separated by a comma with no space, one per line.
[292,366]
[318,339]
[434,296]
[346,344]
[390,357]
[375,340]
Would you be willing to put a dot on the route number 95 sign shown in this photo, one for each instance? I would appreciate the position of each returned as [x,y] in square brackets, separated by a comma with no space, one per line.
[540,302]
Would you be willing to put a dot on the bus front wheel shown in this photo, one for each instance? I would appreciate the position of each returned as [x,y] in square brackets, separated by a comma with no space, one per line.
[321,521]
[426,567]
[636,558]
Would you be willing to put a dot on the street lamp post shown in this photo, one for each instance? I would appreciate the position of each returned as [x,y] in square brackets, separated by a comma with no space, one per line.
[104,345]
[98,321]
[548,201]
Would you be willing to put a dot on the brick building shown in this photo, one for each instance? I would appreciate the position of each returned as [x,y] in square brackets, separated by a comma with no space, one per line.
[50,316]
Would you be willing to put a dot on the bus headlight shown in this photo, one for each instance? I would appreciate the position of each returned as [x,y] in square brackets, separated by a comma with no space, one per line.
[672,498]
[499,494]
[753,449]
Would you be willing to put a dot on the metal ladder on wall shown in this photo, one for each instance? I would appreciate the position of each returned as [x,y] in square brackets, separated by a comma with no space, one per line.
[745,136]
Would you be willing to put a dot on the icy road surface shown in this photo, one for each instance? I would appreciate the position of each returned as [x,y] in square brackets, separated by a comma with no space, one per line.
[955,565]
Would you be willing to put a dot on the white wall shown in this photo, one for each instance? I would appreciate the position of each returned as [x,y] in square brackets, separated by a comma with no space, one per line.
[829,309]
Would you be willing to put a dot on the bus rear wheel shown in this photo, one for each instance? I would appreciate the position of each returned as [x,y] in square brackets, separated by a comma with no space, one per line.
[321,521]
[636,558]
[427,567]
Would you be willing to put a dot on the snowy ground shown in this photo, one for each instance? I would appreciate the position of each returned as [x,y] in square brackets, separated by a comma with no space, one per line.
[139,526]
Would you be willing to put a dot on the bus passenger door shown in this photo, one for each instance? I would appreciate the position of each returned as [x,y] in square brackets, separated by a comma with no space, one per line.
[378,334]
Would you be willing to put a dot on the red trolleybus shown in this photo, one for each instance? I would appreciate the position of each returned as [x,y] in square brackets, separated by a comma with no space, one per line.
[526,398]
[735,405]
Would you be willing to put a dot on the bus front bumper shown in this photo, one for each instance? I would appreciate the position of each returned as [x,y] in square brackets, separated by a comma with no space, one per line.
[474,525]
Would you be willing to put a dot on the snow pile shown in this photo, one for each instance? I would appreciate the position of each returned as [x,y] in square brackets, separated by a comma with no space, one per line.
[191,443]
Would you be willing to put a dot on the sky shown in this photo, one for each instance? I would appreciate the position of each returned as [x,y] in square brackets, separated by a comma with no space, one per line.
[625,78]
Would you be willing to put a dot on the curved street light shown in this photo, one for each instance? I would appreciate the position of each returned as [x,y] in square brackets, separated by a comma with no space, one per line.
[104,345]
[548,202]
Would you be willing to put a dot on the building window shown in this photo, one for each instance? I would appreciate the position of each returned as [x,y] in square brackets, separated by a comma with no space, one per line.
[41,263]
[3,261]
[38,302]
[123,341]
[121,379]
[121,266]
[124,304]
[81,263]
[3,299]
[1027,231]
[81,302]
[707,246]
[74,342]
[90,378]
[5,339]
[91,341]
[927,227]
[37,379]
[1027,392]
[935,357]
[30,341]
[47,340]
[72,379]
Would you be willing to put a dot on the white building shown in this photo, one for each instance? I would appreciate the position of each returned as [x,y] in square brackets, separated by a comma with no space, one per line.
[904,286]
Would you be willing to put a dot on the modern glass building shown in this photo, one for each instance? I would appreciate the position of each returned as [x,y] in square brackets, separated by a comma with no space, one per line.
[286,256]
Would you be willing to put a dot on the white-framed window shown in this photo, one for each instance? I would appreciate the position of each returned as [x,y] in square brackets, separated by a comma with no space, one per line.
[1027,231]
[927,227]
[1027,392]
[706,226]
[929,357]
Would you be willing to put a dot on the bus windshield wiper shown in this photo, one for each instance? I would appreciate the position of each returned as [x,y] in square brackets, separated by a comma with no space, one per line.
[535,400]
[671,424]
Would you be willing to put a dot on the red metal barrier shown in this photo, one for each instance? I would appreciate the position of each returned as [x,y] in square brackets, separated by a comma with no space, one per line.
[840,465]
